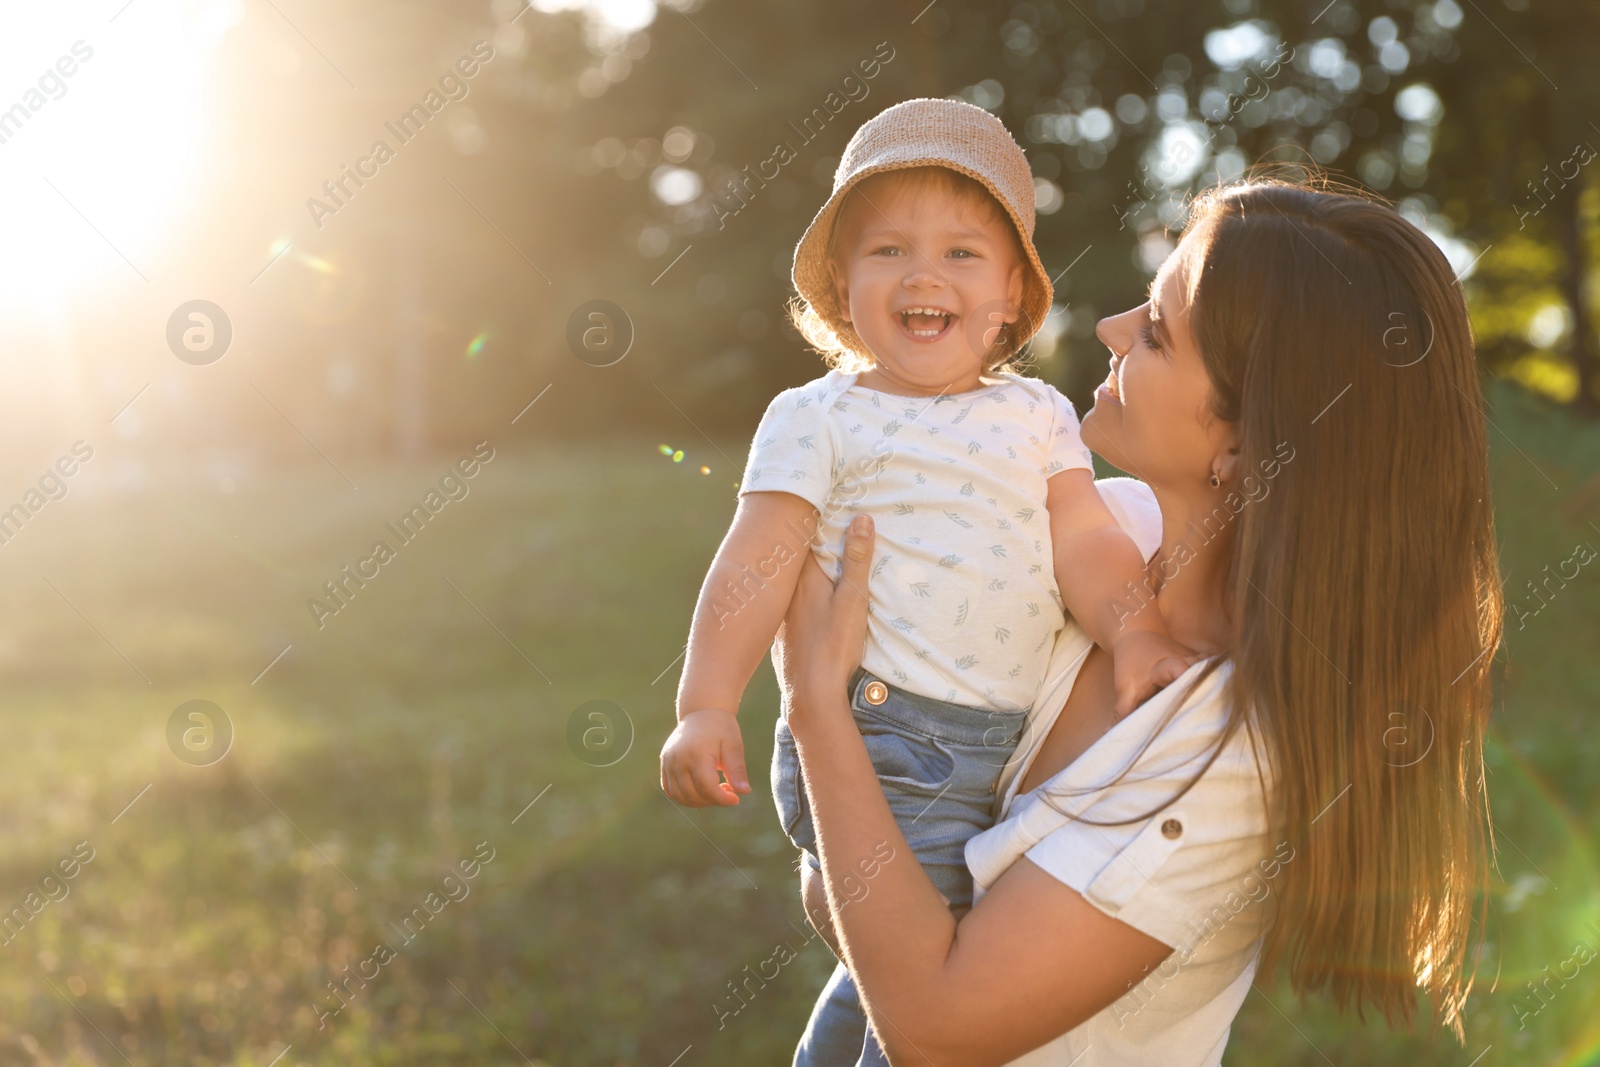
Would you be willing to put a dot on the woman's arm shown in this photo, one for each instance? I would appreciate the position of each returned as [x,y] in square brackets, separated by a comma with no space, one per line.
[1031,961]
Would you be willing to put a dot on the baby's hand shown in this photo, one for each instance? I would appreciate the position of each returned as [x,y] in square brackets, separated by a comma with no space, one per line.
[1143,663]
[705,742]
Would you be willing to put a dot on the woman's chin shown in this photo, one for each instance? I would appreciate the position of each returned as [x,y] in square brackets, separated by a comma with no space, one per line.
[1091,431]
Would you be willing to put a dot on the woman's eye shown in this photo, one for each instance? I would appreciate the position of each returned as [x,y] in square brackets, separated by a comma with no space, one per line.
[1148,334]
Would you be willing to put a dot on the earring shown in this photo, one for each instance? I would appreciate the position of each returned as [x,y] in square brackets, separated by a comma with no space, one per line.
[1215,481]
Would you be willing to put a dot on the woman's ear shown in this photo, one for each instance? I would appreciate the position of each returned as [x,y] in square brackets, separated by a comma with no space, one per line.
[1225,461]
[841,288]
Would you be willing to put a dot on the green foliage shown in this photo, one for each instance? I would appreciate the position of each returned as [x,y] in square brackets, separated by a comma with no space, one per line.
[384,747]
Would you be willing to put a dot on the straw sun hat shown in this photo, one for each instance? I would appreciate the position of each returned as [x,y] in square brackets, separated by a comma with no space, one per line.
[917,133]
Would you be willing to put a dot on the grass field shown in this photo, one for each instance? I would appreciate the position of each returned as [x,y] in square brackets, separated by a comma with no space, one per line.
[601,925]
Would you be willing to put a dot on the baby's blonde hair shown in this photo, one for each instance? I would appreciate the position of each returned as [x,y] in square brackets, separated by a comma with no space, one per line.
[842,347]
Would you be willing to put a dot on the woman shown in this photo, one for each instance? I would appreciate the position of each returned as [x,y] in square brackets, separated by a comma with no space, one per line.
[1300,396]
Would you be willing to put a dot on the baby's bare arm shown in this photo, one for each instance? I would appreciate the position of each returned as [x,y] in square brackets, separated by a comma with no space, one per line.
[1095,561]
[744,598]
[741,605]
[1101,574]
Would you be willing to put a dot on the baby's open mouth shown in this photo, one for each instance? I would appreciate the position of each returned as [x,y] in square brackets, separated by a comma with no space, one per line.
[926,323]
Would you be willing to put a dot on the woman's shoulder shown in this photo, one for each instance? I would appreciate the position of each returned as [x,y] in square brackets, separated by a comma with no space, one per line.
[1133,504]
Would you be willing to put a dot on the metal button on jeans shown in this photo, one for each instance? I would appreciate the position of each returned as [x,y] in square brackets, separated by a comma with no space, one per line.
[876,692]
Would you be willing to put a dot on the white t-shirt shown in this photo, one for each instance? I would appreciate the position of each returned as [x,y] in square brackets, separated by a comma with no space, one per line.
[1196,876]
[964,597]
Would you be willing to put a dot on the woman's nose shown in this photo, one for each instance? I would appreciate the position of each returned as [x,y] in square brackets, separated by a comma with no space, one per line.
[1110,330]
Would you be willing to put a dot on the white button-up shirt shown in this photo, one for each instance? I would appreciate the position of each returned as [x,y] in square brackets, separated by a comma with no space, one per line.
[1196,875]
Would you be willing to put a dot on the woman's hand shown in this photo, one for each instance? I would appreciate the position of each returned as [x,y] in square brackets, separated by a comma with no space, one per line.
[820,643]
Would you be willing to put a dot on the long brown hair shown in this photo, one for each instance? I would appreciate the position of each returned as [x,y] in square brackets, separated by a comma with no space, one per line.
[1363,590]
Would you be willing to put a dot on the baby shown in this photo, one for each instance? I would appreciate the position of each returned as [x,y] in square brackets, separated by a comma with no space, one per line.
[919,279]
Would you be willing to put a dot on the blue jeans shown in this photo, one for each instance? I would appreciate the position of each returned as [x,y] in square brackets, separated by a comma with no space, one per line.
[938,764]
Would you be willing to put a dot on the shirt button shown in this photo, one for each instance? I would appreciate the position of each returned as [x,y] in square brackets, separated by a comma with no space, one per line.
[877,692]
[1171,828]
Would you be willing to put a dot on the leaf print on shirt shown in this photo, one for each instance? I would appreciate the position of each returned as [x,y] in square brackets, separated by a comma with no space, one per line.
[962,415]
[996,585]
[905,626]
[891,427]
[967,662]
[1024,516]
[967,490]
[877,568]
[1011,453]
[1001,634]
[808,442]
[998,550]
[1014,671]
[961,614]
[801,401]
[951,561]
[1033,610]
[923,589]
[958,520]
[921,480]
[904,509]
[973,448]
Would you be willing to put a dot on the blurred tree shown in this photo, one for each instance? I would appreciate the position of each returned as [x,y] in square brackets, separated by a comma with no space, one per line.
[670,162]
[1513,166]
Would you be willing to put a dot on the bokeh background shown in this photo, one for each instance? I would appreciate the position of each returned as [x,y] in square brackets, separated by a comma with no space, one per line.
[181,890]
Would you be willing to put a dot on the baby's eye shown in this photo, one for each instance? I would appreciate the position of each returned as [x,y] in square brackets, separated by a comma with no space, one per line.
[963,253]
[886,250]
